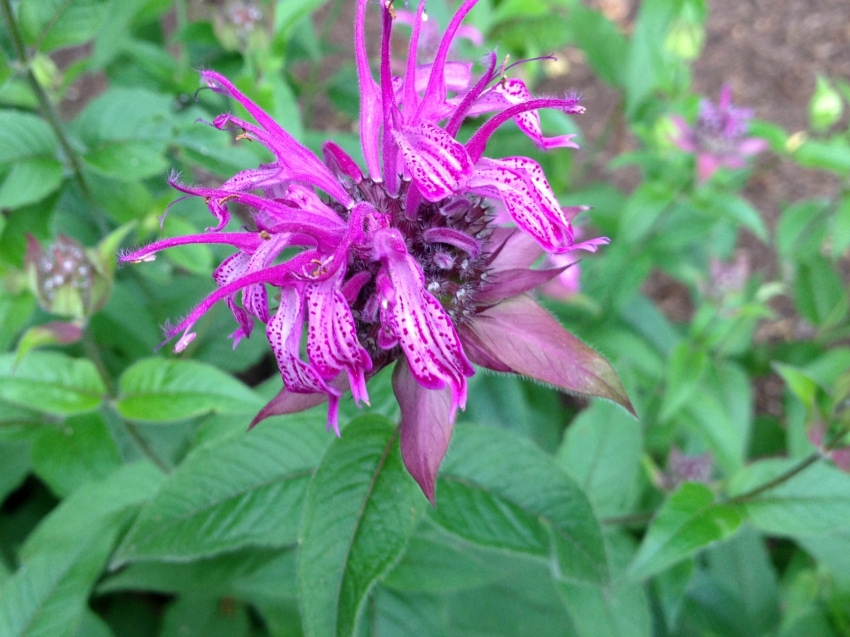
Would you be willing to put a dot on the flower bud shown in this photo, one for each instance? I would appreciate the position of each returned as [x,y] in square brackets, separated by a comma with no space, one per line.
[825,107]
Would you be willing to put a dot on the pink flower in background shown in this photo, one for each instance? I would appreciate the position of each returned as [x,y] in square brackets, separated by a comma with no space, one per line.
[403,262]
[719,138]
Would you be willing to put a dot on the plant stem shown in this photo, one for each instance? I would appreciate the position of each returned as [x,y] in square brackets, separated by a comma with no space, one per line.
[48,110]
[646,516]
[94,355]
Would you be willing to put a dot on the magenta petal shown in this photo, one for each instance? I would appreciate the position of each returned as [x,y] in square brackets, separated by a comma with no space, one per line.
[426,427]
[437,162]
[527,340]
[519,182]
[287,402]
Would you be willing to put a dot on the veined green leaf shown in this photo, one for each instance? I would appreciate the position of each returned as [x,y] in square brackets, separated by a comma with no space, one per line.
[234,492]
[687,522]
[544,514]
[160,390]
[51,382]
[360,509]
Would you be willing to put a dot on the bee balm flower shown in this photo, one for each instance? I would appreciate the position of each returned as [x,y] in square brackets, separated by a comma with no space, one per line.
[404,262]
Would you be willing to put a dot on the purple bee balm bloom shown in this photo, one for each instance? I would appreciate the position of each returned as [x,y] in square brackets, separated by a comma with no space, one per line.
[403,262]
[719,137]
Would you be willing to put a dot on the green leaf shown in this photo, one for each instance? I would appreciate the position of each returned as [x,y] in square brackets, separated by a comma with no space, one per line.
[198,616]
[30,181]
[248,573]
[51,382]
[647,63]
[54,24]
[47,596]
[742,569]
[840,230]
[130,161]
[24,136]
[819,293]
[78,451]
[606,48]
[742,212]
[361,508]
[544,514]
[833,155]
[436,561]
[801,230]
[237,491]
[816,500]
[64,556]
[618,608]
[798,382]
[643,209]
[721,411]
[15,463]
[684,371]
[601,451]
[160,390]
[687,522]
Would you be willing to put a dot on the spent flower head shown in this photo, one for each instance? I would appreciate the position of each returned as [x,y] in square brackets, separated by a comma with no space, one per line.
[404,262]
[719,137]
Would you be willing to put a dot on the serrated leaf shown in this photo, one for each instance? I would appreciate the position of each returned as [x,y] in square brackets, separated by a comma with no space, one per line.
[816,500]
[51,382]
[78,451]
[47,596]
[688,521]
[360,509]
[160,390]
[30,181]
[249,573]
[64,556]
[544,514]
[238,491]
[601,451]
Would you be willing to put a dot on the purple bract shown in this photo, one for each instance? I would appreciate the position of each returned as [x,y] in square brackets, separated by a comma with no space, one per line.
[404,261]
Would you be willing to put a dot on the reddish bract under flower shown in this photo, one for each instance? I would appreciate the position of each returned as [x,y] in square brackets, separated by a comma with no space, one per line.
[404,261]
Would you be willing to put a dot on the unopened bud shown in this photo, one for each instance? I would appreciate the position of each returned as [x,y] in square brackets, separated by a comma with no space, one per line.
[825,107]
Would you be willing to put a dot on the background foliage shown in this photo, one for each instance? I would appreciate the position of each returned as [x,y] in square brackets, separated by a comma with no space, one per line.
[135,503]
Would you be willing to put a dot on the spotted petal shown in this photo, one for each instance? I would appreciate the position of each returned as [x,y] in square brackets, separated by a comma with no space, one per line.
[332,343]
[284,334]
[414,317]
[520,184]
[438,163]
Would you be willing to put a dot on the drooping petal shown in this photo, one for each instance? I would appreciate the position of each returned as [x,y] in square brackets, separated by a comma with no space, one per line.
[426,427]
[438,164]
[417,320]
[525,339]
